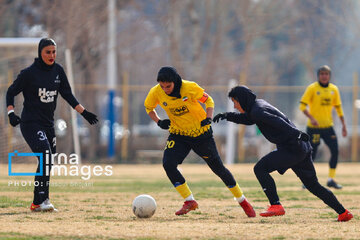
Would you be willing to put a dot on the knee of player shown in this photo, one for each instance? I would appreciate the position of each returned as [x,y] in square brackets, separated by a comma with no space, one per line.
[168,165]
[258,168]
[311,184]
[42,148]
[215,164]
[220,170]
[334,150]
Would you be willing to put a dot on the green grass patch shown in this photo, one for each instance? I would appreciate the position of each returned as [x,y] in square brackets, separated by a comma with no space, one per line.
[328,215]
[297,206]
[6,202]
[279,238]
[20,236]
[102,218]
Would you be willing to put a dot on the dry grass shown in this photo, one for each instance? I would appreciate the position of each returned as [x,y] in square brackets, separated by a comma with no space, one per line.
[102,210]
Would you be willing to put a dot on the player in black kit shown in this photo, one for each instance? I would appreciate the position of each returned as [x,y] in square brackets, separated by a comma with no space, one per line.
[40,84]
[293,150]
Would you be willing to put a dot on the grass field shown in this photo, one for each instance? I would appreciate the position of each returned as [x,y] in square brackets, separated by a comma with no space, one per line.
[100,208]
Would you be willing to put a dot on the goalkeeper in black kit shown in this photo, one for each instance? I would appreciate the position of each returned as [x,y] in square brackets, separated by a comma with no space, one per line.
[40,84]
[293,150]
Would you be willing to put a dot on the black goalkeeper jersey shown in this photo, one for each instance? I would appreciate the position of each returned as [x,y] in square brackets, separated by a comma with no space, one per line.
[40,86]
[272,123]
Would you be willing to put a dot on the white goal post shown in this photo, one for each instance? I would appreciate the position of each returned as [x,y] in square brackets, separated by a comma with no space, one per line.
[23,42]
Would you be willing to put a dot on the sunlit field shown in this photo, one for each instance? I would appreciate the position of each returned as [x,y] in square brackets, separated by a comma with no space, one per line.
[100,208]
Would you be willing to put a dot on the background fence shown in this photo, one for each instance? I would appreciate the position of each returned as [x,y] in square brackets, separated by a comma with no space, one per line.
[138,139]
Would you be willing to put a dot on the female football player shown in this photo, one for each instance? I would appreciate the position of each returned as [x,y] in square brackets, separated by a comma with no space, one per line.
[190,129]
[293,150]
[40,84]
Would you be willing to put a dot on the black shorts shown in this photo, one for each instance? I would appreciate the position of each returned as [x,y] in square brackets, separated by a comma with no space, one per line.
[295,155]
[39,138]
[178,147]
[327,134]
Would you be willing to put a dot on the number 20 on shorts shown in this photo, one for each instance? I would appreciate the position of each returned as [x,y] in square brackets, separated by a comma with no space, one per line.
[170,144]
[316,138]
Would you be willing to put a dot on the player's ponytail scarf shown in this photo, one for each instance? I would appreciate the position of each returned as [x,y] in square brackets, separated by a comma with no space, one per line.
[244,96]
[169,74]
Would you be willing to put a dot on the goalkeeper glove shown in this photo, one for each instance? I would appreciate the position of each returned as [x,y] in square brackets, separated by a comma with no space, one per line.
[205,122]
[220,116]
[14,119]
[90,117]
[164,124]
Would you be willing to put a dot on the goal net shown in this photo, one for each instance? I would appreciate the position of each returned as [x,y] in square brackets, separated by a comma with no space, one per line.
[15,54]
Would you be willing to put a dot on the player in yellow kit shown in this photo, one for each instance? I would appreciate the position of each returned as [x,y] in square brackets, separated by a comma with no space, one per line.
[190,129]
[321,97]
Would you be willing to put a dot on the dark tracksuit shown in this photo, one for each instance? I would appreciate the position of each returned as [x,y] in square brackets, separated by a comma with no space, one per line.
[290,153]
[40,85]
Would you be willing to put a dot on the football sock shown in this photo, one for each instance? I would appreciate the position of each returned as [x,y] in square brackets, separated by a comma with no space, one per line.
[184,190]
[332,172]
[190,198]
[236,191]
[240,199]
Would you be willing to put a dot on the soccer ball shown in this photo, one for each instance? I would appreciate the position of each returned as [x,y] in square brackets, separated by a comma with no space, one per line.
[144,206]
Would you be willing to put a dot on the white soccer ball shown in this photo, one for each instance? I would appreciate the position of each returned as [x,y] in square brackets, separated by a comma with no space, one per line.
[144,206]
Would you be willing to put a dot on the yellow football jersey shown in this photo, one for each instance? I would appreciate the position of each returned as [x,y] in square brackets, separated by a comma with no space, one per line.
[185,113]
[321,101]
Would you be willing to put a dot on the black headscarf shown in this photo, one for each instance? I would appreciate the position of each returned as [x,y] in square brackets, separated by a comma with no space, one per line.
[244,96]
[44,42]
[169,74]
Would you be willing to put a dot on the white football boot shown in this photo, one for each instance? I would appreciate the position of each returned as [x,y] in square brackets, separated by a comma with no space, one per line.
[46,206]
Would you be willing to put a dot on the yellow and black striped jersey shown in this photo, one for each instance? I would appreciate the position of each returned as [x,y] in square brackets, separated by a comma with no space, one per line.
[321,101]
[185,113]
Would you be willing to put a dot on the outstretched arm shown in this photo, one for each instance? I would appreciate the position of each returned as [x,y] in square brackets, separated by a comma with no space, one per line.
[239,118]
